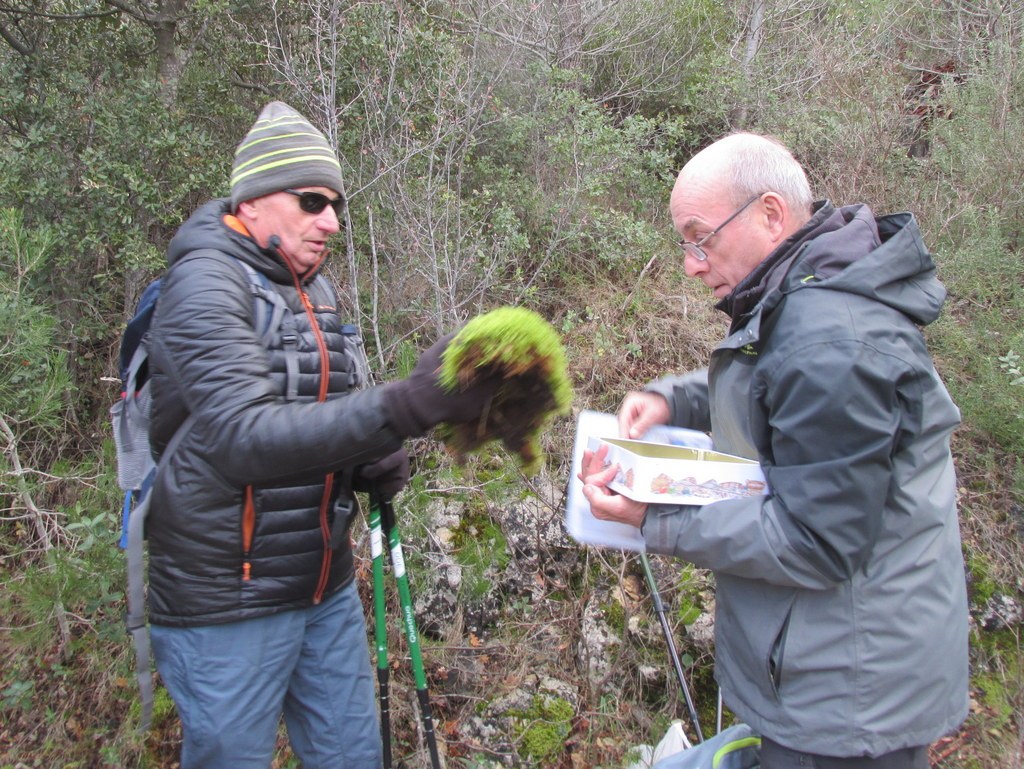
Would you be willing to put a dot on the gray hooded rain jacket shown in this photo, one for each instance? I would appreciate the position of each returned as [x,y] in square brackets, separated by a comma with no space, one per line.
[841,609]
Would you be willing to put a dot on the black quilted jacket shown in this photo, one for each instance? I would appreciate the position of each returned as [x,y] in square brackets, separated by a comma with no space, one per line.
[248,516]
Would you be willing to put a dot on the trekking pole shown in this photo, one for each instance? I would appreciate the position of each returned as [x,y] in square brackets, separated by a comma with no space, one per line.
[659,607]
[390,530]
[380,631]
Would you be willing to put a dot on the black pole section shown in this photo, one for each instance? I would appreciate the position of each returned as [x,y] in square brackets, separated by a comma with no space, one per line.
[385,715]
[428,727]
[659,607]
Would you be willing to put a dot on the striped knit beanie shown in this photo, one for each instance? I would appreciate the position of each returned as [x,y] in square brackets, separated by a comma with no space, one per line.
[282,151]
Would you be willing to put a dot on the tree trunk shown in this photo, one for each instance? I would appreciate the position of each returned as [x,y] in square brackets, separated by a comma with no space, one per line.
[752,44]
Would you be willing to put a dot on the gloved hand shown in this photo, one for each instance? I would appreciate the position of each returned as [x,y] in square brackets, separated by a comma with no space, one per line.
[387,475]
[419,402]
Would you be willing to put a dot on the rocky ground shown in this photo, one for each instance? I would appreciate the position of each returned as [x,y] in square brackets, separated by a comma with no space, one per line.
[542,652]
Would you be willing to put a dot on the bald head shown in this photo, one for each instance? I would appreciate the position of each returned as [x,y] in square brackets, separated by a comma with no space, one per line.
[734,203]
[742,165]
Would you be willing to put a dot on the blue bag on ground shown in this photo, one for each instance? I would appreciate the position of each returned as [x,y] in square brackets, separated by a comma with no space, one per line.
[734,748]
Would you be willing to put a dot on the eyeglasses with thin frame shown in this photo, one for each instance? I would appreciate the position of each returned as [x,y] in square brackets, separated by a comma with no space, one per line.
[316,202]
[695,250]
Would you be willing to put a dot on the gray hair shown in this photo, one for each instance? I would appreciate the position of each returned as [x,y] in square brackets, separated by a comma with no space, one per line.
[751,164]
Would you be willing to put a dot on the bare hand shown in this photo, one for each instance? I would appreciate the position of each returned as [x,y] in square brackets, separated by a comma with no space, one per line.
[641,411]
[606,504]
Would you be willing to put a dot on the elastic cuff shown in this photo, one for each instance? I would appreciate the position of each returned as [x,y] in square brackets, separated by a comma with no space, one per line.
[397,400]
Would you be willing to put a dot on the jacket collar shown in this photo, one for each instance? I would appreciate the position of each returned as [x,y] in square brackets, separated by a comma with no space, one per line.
[769,273]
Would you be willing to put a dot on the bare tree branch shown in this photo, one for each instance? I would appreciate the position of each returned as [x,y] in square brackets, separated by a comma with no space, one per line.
[39,522]
[23,48]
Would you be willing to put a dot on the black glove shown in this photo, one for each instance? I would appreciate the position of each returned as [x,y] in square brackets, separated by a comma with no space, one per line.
[387,476]
[419,402]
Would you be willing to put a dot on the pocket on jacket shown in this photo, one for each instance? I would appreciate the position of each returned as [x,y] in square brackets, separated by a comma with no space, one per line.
[752,623]
[777,654]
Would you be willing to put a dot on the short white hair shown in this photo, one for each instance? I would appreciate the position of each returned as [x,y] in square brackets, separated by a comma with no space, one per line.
[749,164]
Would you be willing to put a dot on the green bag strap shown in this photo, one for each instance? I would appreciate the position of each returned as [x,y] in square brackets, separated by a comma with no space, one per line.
[724,752]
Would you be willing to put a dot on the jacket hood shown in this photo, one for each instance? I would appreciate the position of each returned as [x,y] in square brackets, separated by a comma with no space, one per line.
[206,229]
[849,249]
[881,258]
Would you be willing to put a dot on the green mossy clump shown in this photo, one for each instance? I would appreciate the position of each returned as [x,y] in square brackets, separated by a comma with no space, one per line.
[525,351]
[615,614]
[544,728]
[979,579]
[480,546]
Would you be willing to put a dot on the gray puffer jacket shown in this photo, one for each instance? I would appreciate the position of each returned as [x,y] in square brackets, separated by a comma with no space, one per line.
[249,517]
[841,610]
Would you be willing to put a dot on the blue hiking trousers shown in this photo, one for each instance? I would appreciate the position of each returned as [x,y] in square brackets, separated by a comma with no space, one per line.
[231,683]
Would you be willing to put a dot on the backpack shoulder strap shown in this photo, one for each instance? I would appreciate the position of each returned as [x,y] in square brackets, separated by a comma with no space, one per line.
[270,306]
[272,315]
[322,293]
[136,617]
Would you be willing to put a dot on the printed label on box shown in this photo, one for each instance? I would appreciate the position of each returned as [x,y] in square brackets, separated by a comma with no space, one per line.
[697,449]
[661,474]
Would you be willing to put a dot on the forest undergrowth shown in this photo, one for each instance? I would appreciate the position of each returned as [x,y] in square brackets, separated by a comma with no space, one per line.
[512,153]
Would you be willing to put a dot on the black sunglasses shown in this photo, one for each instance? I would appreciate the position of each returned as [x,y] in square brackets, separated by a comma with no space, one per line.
[316,202]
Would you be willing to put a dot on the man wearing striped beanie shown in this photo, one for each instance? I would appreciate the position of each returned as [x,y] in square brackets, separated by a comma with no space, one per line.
[263,431]
[283,168]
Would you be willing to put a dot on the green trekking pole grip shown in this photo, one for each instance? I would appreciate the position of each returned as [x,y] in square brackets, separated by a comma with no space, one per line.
[390,528]
[380,630]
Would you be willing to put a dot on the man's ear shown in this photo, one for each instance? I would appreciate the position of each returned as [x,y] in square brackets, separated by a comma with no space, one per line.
[246,209]
[776,216]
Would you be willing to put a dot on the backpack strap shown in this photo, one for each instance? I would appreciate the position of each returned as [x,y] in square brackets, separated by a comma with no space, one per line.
[130,416]
[273,313]
[321,292]
[290,344]
[355,350]
[136,617]
[270,306]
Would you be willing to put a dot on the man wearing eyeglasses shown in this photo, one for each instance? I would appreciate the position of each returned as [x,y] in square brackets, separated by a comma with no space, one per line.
[841,611]
[253,608]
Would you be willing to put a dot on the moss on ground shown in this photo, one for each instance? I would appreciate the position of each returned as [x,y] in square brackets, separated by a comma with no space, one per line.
[543,728]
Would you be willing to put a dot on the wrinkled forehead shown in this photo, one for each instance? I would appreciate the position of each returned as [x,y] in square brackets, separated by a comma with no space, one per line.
[698,200]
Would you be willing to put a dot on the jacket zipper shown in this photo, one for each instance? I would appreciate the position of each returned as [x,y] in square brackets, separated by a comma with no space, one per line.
[325,376]
[248,526]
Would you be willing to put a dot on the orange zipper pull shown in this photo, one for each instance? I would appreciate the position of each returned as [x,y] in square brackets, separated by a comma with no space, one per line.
[248,527]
